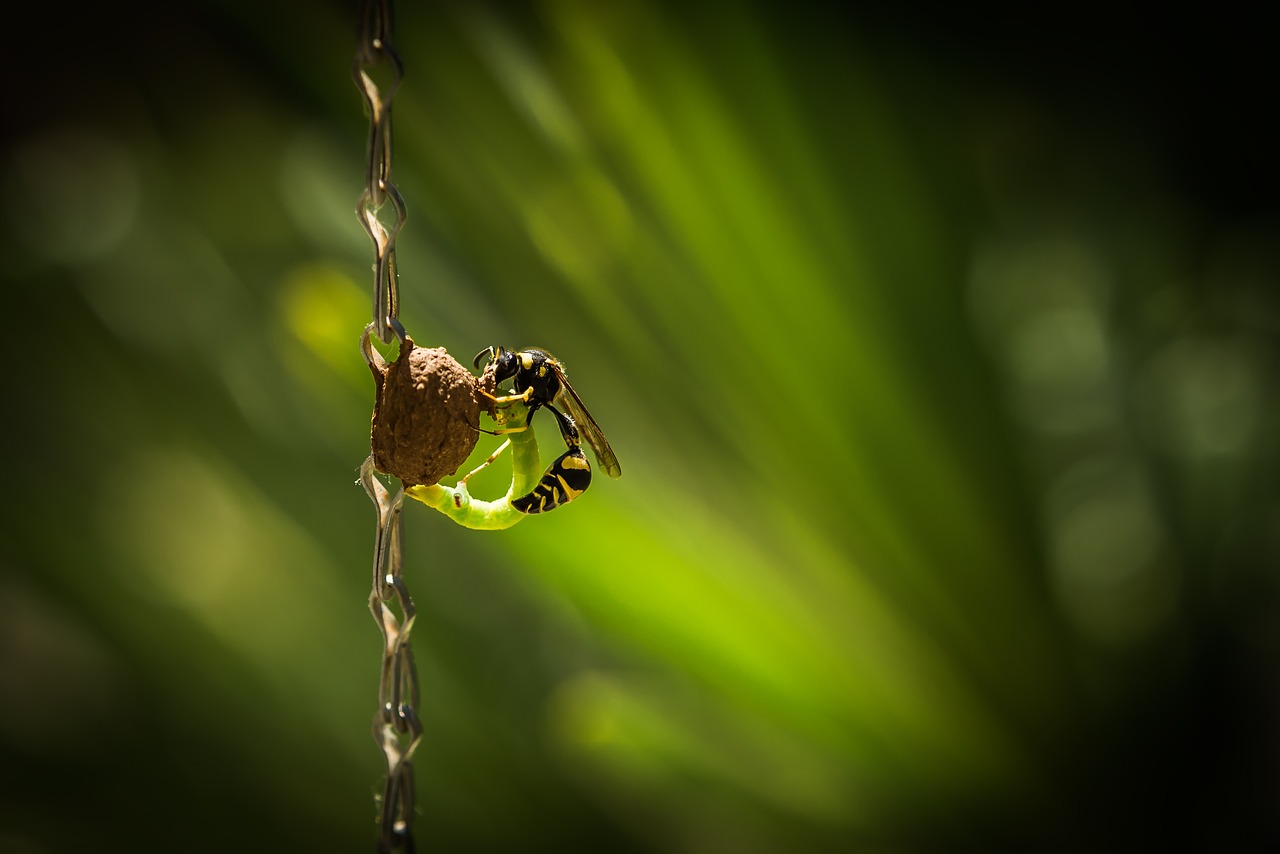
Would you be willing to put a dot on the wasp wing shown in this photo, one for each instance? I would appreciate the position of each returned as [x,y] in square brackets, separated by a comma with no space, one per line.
[587,425]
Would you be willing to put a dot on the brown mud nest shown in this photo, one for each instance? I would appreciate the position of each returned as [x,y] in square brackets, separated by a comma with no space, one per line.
[426,414]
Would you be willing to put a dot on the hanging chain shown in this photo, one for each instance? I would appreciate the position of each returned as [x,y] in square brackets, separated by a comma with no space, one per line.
[372,50]
[396,728]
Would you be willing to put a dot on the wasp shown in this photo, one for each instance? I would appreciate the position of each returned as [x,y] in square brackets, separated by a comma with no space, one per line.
[539,381]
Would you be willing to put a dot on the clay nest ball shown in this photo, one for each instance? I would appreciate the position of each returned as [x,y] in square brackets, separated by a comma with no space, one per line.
[426,414]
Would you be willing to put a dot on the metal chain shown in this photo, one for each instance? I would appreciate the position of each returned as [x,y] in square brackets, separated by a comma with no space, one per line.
[374,48]
[396,727]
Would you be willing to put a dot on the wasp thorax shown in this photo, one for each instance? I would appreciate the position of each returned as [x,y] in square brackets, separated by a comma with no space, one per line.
[426,414]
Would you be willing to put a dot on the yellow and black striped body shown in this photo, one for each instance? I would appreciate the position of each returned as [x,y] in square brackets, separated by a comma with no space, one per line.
[539,380]
[566,479]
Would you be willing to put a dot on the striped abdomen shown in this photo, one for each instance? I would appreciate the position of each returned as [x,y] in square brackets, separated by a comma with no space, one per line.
[566,479]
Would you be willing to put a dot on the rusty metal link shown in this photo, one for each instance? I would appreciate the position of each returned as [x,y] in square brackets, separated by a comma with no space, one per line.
[396,727]
[373,49]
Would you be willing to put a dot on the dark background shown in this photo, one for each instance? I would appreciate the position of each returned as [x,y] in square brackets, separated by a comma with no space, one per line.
[938,345]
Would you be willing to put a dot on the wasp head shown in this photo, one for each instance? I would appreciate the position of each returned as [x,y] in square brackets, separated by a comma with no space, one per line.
[506,362]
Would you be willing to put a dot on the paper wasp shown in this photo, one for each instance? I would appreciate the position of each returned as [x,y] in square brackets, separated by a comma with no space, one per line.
[539,381]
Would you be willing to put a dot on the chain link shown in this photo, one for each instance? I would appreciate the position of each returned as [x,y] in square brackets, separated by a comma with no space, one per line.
[396,727]
[373,49]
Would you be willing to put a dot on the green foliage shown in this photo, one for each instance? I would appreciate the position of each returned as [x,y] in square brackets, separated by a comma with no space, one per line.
[927,481]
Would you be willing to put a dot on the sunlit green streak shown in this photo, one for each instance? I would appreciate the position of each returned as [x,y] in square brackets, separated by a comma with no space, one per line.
[767,277]
[680,193]
[752,631]
[778,391]
[864,364]
[524,79]
[848,400]
[654,735]
[780,126]
[752,268]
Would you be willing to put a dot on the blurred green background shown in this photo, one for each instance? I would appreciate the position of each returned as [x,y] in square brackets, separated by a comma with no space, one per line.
[938,348]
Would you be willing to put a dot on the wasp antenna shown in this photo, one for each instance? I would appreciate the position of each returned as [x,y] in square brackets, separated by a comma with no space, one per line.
[486,354]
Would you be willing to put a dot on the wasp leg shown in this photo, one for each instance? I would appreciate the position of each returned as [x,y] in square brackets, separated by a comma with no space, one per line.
[568,429]
[523,397]
[484,464]
[507,400]
[566,479]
